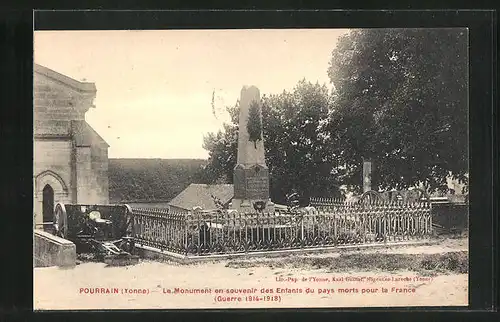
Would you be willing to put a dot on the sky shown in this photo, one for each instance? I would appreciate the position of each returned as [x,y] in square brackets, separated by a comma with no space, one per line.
[154,88]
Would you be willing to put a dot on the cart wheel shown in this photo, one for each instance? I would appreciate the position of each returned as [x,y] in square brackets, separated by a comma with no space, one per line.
[60,221]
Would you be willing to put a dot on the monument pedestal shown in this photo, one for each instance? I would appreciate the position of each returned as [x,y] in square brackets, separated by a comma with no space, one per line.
[247,206]
[251,185]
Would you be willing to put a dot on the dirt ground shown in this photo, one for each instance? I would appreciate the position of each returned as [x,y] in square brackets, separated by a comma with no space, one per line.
[254,283]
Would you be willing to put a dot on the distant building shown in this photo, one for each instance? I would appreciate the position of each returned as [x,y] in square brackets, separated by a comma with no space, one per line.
[70,158]
[200,195]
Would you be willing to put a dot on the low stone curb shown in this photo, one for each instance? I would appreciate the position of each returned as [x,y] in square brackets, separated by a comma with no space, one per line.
[147,252]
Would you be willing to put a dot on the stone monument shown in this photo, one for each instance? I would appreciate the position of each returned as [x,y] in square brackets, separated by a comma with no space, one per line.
[251,174]
[367,175]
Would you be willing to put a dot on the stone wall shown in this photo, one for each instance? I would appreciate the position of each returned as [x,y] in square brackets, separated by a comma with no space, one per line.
[54,155]
[50,250]
[99,166]
[56,101]
[92,171]
[52,165]
[84,176]
[92,175]
[451,216]
[48,128]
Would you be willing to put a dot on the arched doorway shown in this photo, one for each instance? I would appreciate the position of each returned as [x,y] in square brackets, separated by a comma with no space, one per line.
[50,188]
[48,203]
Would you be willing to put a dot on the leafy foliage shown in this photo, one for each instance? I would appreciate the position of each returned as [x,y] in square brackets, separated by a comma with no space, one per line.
[254,123]
[401,100]
[296,155]
[222,147]
[295,137]
[151,179]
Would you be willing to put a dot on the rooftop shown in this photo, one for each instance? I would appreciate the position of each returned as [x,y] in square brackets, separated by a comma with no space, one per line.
[84,87]
[85,135]
[201,195]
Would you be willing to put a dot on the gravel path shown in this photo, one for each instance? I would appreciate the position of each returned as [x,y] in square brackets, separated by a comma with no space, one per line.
[152,285]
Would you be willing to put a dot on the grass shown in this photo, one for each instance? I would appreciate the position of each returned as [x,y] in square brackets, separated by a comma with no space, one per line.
[426,264]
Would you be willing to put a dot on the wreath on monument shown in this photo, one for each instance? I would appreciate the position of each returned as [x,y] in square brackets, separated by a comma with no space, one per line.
[254,124]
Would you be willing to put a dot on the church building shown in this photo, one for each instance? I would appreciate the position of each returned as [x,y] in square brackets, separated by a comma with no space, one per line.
[70,162]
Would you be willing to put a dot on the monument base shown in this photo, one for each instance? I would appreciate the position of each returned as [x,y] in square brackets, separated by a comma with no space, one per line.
[247,206]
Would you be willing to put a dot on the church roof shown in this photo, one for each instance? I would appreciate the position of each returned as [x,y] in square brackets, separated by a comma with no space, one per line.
[73,83]
[85,135]
[201,195]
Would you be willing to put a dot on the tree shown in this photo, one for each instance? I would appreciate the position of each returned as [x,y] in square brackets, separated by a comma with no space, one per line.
[401,100]
[294,140]
[222,148]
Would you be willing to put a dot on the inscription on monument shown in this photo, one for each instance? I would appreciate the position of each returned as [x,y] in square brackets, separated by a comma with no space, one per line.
[257,187]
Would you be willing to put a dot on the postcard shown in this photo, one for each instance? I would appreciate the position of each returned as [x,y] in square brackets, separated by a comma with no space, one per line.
[250,168]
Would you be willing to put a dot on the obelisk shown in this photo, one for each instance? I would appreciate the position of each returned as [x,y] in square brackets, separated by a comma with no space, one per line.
[251,174]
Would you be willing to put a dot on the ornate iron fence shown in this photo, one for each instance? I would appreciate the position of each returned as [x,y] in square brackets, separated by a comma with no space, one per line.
[227,232]
[160,229]
[326,202]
